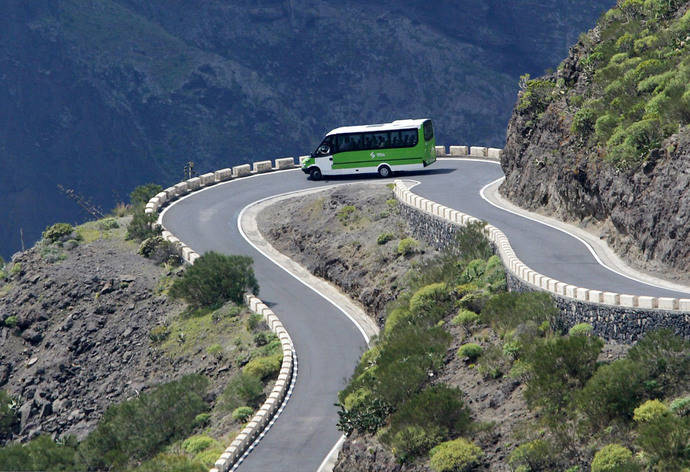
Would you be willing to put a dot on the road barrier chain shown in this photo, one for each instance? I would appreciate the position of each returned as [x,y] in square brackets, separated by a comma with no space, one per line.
[529,276]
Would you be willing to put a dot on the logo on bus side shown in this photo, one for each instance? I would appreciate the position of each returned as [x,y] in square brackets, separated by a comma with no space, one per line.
[374,155]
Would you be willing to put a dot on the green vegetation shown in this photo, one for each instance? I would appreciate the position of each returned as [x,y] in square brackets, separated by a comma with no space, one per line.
[458,455]
[214,279]
[141,195]
[130,432]
[143,225]
[471,351]
[57,232]
[390,392]
[346,214]
[159,250]
[244,389]
[242,413]
[384,238]
[9,416]
[407,246]
[639,71]
[264,367]
[614,458]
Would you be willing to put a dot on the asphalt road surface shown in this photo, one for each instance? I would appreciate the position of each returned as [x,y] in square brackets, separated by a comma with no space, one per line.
[328,345]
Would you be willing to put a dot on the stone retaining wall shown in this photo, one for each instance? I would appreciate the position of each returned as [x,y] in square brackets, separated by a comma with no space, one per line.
[622,317]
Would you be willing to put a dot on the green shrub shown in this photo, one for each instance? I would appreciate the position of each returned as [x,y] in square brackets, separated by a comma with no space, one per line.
[506,311]
[604,127]
[664,358]
[57,232]
[242,413]
[465,318]
[216,278]
[107,224]
[41,453]
[137,429]
[141,195]
[255,322]
[681,406]
[581,329]
[413,441]
[612,393]
[243,389]
[535,455]
[196,444]
[397,317]
[471,351]
[493,363]
[663,436]
[171,463]
[209,457]
[560,366]
[407,246]
[215,350]
[9,417]
[384,238]
[458,455]
[202,419]
[160,250]
[262,338]
[143,226]
[431,303]
[159,333]
[583,121]
[613,458]
[436,413]
[264,367]
[535,95]
[366,415]
[346,214]
[11,321]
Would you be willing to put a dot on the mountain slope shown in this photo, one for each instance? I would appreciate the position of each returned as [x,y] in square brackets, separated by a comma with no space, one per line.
[102,95]
[605,140]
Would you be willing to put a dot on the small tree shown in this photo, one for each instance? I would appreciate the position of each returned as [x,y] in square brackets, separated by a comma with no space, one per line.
[143,193]
[216,278]
[143,225]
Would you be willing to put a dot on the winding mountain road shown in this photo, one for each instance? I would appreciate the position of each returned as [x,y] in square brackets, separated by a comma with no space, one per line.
[327,343]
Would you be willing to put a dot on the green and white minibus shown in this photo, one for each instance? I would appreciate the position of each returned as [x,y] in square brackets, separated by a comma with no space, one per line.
[382,149]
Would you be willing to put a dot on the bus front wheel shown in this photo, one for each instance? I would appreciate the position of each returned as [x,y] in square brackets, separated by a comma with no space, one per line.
[385,171]
[315,173]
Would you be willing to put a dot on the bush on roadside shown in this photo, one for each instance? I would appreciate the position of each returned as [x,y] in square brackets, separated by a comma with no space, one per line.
[506,311]
[216,278]
[581,329]
[160,250]
[198,443]
[243,389]
[242,413]
[41,453]
[143,226]
[458,455]
[264,367]
[141,195]
[171,463]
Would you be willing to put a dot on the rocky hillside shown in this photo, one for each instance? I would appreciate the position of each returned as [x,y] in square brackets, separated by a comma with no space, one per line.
[86,323]
[102,95]
[604,141]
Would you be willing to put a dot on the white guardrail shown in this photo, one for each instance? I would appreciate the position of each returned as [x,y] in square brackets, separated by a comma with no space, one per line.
[276,400]
[518,269]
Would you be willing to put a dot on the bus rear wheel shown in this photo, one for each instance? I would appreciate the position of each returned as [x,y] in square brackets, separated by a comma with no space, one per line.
[315,173]
[385,171]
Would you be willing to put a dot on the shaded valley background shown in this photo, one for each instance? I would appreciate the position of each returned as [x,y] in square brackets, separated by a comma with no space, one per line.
[103,95]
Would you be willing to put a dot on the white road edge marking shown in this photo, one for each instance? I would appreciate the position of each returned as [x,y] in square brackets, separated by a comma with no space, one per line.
[590,248]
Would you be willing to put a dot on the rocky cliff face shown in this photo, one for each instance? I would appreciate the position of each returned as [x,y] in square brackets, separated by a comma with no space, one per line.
[101,96]
[552,166]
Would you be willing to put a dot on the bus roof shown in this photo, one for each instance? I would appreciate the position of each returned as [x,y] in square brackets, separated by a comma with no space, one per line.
[398,124]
